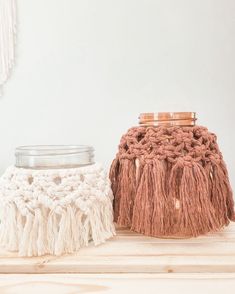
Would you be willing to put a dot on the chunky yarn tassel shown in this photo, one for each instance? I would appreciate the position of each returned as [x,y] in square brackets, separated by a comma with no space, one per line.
[7,38]
[54,211]
[171,182]
[125,170]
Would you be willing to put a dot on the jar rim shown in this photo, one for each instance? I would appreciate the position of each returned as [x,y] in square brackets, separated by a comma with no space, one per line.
[53,156]
[44,150]
[168,118]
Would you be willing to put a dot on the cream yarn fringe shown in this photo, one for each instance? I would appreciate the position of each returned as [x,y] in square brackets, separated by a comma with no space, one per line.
[7,38]
[54,211]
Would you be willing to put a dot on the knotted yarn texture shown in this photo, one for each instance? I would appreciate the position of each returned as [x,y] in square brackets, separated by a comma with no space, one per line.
[54,211]
[7,38]
[171,182]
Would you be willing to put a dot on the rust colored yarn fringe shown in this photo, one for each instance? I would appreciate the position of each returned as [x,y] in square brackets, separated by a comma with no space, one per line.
[171,182]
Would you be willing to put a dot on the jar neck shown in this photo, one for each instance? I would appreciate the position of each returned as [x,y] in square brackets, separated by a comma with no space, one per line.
[168,119]
[53,156]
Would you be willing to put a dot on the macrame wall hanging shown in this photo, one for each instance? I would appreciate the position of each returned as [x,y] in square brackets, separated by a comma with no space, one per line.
[7,39]
[169,178]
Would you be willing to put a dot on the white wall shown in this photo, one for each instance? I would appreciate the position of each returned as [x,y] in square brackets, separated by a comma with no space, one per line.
[86,69]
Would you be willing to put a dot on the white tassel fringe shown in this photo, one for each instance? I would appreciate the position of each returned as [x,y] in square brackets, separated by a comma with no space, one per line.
[47,218]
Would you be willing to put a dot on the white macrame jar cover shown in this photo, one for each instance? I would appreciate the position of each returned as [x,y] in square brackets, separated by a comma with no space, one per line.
[54,211]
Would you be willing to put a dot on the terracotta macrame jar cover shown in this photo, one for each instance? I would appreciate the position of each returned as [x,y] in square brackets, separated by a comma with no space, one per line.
[54,201]
[169,178]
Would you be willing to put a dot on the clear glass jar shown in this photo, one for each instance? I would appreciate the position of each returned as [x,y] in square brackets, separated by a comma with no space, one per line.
[53,156]
[168,119]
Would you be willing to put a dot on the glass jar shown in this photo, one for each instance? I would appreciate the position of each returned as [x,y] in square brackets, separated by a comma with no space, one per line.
[53,156]
[168,119]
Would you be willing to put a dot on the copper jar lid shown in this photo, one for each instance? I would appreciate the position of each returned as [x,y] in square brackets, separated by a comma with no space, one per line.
[168,118]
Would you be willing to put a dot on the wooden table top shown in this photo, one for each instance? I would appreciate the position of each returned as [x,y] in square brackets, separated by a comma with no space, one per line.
[130,252]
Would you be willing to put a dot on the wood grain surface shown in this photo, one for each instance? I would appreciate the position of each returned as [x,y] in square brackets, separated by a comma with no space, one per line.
[117,283]
[129,252]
